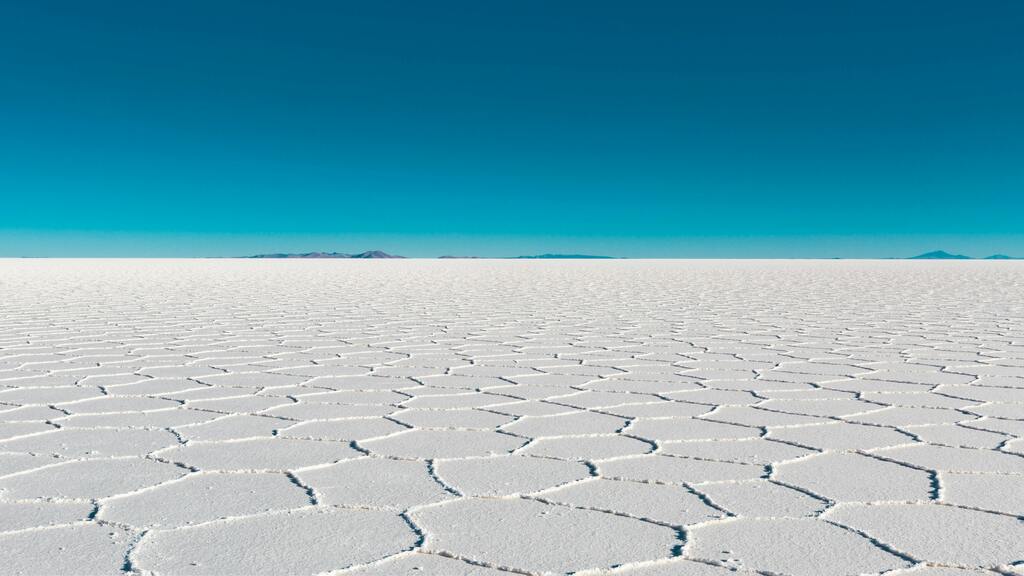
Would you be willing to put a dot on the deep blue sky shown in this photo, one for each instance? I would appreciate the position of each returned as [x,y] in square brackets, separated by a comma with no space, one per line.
[734,128]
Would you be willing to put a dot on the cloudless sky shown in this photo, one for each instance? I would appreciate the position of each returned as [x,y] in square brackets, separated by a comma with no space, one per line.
[657,128]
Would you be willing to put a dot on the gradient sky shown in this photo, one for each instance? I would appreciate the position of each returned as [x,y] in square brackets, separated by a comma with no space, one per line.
[689,129]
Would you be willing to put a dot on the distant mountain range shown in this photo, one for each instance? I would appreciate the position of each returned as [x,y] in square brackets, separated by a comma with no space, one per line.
[566,257]
[934,255]
[379,254]
[943,255]
[369,254]
[541,257]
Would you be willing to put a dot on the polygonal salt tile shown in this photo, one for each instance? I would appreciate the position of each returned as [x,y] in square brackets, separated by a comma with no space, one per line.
[939,534]
[659,410]
[748,451]
[979,371]
[591,399]
[863,385]
[81,442]
[542,380]
[1009,427]
[251,379]
[561,425]
[12,463]
[507,475]
[519,392]
[343,430]
[900,416]
[351,396]
[716,397]
[295,392]
[364,383]
[30,414]
[419,564]
[825,368]
[975,392]
[712,375]
[663,503]
[929,378]
[233,427]
[957,435]
[805,395]
[997,410]
[497,371]
[754,416]
[10,430]
[800,547]
[374,483]
[112,380]
[428,444]
[420,391]
[206,392]
[77,549]
[463,382]
[1001,381]
[676,567]
[111,404]
[528,535]
[155,387]
[533,408]
[240,404]
[86,479]
[406,372]
[924,399]
[668,429]
[667,469]
[471,400]
[941,571]
[21,515]
[461,418]
[998,492]
[842,436]
[761,498]
[366,358]
[781,380]
[325,373]
[587,447]
[157,419]
[301,542]
[178,371]
[320,411]
[829,407]
[48,396]
[637,386]
[258,454]
[855,478]
[43,380]
[199,498]
[954,459]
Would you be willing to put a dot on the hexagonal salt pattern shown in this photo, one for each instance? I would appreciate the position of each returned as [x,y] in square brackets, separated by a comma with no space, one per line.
[496,417]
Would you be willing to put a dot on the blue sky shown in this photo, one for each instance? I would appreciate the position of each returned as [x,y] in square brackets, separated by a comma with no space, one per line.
[737,128]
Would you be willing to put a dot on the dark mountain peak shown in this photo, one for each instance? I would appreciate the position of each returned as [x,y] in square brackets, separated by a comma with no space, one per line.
[375,254]
[939,255]
[1000,257]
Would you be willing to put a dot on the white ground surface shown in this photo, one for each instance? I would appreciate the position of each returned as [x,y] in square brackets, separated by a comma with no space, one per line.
[487,417]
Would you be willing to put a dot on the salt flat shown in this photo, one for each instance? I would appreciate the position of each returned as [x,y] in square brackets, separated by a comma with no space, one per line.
[488,417]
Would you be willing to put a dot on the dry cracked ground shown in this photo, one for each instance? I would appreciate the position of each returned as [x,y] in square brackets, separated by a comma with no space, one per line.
[491,417]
